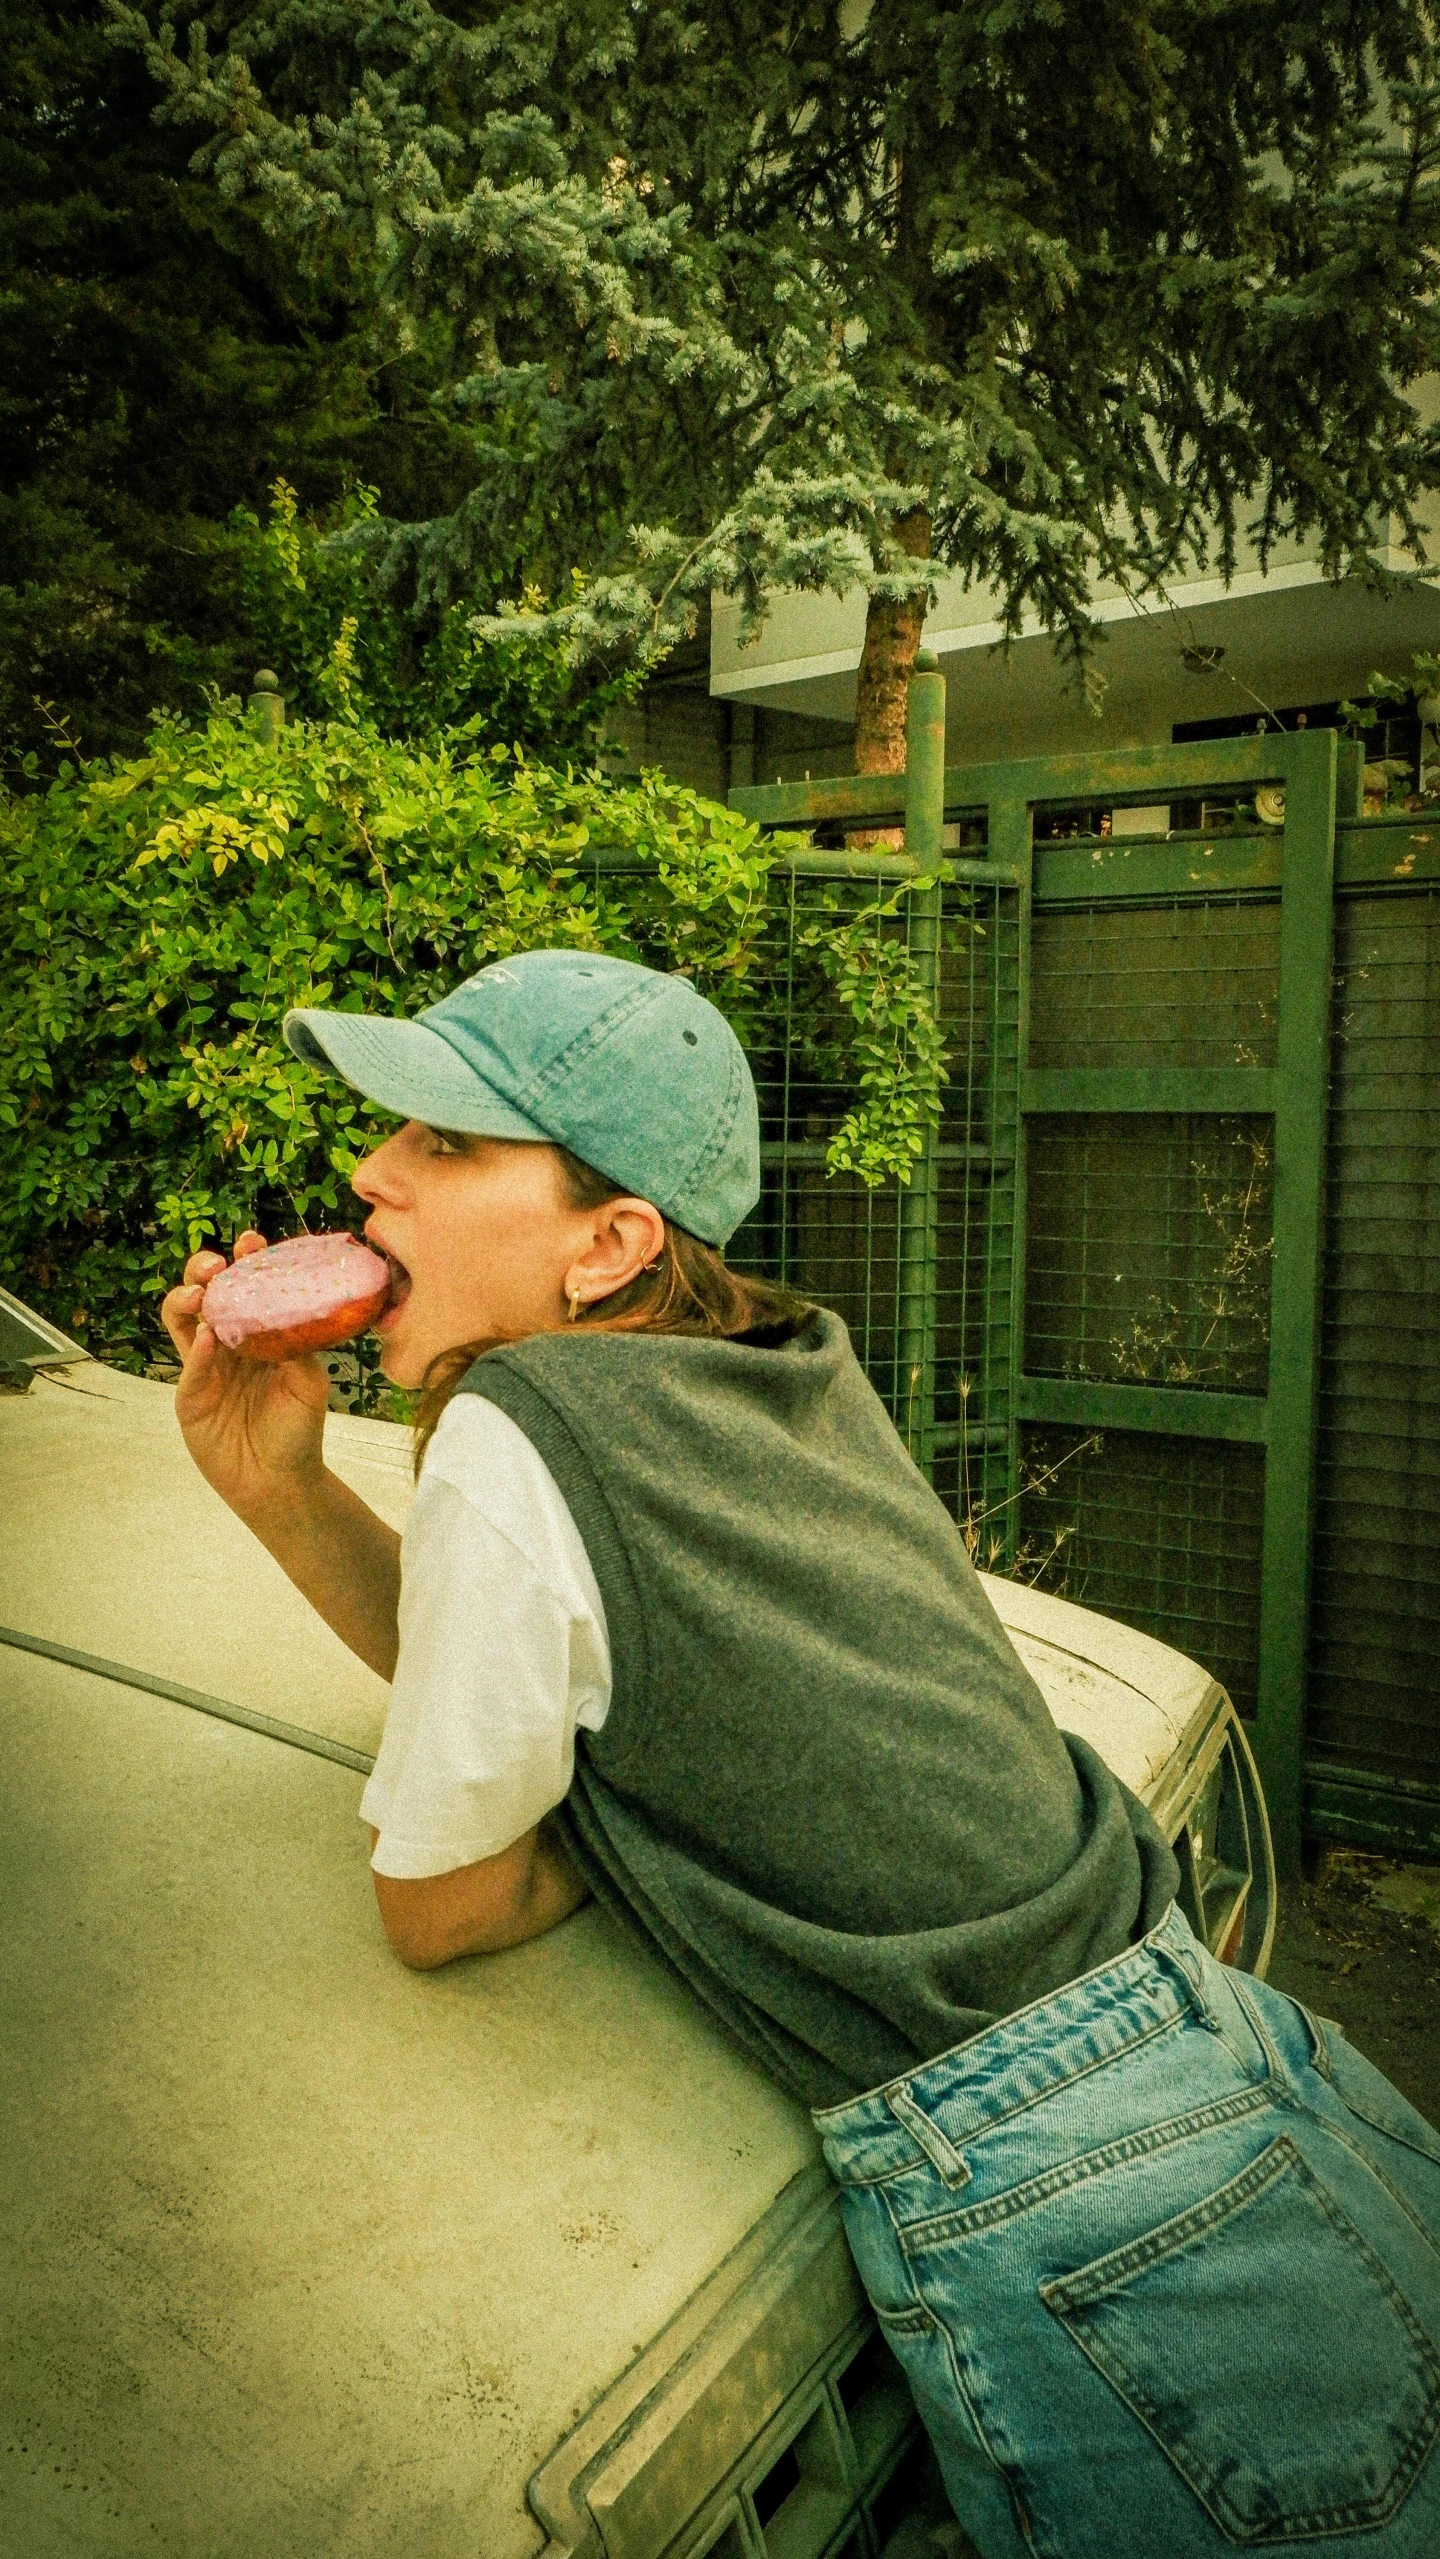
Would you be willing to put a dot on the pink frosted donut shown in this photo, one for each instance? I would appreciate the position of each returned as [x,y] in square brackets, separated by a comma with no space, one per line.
[307,1295]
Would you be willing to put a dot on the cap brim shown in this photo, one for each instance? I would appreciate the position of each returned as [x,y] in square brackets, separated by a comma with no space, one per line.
[405,1068]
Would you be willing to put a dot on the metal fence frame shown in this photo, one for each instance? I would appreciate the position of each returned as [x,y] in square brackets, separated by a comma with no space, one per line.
[1321,776]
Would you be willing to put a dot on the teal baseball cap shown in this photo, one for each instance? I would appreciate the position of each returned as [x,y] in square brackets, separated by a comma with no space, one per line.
[630,1069]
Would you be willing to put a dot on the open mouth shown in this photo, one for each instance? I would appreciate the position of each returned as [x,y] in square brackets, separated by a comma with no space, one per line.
[400,1282]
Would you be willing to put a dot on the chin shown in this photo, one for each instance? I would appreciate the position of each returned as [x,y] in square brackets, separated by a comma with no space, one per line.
[401,1362]
[408,1350]
[409,1373]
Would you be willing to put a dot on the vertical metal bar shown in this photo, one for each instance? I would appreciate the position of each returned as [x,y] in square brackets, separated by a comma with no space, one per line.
[975,1200]
[1010,839]
[987,1418]
[1302,1093]
[919,1237]
[787,1133]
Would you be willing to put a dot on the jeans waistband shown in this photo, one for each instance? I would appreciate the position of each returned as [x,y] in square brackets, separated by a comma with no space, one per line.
[1057,2039]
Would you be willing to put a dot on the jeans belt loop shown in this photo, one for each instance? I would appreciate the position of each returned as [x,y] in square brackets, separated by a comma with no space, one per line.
[941,2153]
[1187,1966]
[1221,2009]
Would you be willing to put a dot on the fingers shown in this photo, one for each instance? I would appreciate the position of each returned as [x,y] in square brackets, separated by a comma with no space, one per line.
[180,1310]
[180,1313]
[203,1266]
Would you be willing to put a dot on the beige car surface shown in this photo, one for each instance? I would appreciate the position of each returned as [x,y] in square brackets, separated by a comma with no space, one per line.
[304,2254]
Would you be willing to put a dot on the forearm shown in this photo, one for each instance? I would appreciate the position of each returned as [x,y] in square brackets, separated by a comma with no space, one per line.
[344,1559]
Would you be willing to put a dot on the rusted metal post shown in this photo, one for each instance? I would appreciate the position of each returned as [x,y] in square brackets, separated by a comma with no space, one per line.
[919,1235]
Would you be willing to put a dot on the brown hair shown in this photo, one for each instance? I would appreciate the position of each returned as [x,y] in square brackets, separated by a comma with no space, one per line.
[689,1289]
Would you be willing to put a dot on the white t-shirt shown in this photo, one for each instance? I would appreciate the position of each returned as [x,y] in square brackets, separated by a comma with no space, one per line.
[504,1651]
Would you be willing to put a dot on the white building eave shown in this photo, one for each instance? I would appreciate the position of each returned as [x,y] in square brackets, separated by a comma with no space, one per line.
[1282,635]
[733,678]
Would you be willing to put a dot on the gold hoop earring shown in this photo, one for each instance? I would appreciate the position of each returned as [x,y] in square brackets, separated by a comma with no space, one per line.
[574,1305]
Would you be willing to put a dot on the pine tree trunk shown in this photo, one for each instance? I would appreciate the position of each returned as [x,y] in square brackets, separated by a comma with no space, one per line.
[892,636]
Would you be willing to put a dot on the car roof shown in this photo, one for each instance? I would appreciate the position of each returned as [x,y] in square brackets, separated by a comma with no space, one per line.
[307,2251]
[1135,1700]
[124,1552]
[303,2251]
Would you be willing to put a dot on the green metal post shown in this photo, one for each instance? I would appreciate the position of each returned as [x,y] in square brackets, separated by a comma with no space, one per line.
[919,1239]
[1010,840]
[1302,1079]
[267,705]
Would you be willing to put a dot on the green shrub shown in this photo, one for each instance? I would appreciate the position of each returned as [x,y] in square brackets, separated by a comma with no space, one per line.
[308,587]
[165,911]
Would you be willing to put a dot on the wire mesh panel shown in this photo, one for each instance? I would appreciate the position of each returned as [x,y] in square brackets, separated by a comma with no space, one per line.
[1374,1701]
[842,1243]
[1148,1262]
[1180,983]
[978,1242]
[1164,1533]
[1149,1249]
[824,1233]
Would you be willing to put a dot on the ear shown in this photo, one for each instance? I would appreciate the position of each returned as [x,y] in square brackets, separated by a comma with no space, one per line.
[626,1237]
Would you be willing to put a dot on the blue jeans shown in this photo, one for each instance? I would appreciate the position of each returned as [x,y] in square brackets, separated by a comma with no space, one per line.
[1161,2258]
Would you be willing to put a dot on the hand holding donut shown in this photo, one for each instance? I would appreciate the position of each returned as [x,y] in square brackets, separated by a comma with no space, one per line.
[252,1395]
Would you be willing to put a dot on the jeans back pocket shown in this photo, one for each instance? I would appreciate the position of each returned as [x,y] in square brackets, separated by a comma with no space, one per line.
[1269,2352]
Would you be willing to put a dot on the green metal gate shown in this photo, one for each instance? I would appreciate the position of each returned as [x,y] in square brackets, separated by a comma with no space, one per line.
[1097,1311]
[1373,1704]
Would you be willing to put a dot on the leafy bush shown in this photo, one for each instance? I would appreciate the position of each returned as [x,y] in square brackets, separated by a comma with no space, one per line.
[309,588]
[165,911]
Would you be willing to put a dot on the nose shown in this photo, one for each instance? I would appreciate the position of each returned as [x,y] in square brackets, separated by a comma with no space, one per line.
[378,1178]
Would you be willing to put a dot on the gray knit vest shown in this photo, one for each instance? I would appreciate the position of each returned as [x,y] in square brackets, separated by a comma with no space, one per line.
[827,1790]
